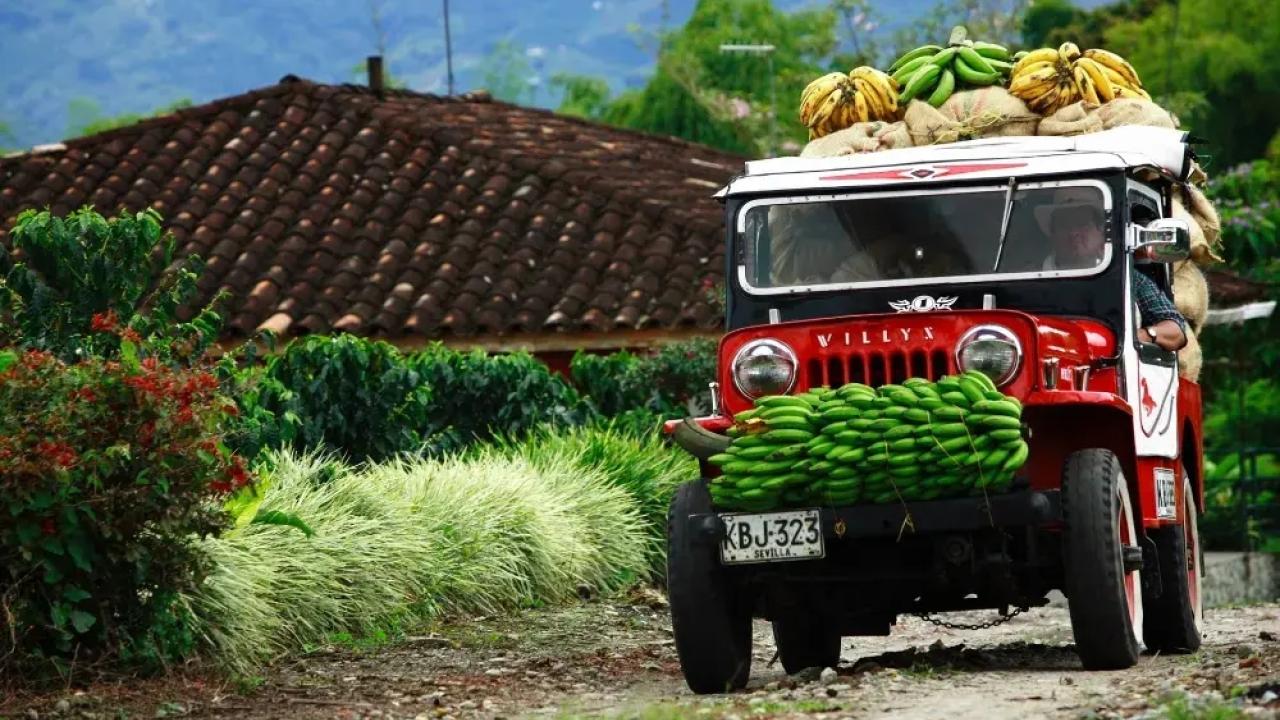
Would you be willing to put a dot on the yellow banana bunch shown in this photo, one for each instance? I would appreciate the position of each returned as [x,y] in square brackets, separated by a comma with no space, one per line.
[836,101]
[879,90]
[816,92]
[1044,78]
[1119,76]
[1051,78]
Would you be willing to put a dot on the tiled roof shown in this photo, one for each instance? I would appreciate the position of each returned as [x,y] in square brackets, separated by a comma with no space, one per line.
[323,208]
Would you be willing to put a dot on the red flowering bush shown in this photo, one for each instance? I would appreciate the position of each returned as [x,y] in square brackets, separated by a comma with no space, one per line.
[109,473]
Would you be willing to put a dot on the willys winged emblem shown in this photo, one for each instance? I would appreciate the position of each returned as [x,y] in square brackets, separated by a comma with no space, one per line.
[923,303]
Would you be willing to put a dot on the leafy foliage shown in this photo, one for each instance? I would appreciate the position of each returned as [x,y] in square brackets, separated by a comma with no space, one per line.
[367,401]
[582,96]
[78,276]
[505,72]
[85,116]
[1248,200]
[1049,23]
[105,469]
[669,383]
[1221,50]
[998,21]
[356,396]
[725,100]
[478,396]
[1242,396]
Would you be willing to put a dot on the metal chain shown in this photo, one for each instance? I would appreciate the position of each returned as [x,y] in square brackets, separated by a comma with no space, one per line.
[980,626]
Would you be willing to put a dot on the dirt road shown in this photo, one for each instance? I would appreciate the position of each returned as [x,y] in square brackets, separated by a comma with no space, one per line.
[616,659]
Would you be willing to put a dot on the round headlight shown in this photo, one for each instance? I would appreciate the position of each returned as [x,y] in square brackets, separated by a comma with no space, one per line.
[764,367]
[992,350]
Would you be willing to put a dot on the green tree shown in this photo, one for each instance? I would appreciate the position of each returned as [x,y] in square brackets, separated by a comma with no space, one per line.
[725,100]
[669,107]
[505,73]
[6,136]
[1046,17]
[998,21]
[84,116]
[1222,51]
[1048,23]
[582,95]
[72,278]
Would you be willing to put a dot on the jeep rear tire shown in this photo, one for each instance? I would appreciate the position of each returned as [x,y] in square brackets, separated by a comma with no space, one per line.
[1105,600]
[804,640]
[1174,618]
[709,617]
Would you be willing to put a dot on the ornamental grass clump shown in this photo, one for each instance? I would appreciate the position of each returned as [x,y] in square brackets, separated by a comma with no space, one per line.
[405,542]
[642,464]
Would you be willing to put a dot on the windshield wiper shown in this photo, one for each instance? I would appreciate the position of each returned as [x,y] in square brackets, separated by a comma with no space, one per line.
[1004,223]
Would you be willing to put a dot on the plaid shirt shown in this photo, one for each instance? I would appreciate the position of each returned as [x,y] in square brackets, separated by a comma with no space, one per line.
[1153,305]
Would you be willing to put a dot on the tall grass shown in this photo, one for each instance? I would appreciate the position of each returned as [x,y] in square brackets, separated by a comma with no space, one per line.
[408,541]
[641,464]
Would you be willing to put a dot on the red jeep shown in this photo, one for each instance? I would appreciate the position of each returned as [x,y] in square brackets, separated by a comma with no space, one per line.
[924,262]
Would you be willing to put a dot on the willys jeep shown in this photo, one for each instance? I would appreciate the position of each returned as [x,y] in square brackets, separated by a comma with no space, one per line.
[930,261]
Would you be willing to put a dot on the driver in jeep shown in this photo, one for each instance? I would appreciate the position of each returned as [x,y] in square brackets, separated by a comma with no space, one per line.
[1078,239]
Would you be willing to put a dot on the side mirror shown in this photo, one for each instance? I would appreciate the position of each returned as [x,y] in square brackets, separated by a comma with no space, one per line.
[1164,240]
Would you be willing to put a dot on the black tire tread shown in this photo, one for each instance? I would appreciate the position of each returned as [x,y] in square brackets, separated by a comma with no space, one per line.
[1170,618]
[804,640]
[712,629]
[1094,589]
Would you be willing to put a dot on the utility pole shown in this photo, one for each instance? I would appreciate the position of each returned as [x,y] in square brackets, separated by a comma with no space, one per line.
[767,51]
[379,33]
[448,47]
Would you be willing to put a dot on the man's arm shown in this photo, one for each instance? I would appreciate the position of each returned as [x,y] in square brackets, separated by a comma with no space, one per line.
[1159,313]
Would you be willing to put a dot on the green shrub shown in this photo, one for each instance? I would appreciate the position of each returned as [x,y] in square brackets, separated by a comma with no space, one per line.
[341,392]
[367,401]
[403,542]
[1248,200]
[80,277]
[477,396]
[671,382]
[1229,426]
[106,473]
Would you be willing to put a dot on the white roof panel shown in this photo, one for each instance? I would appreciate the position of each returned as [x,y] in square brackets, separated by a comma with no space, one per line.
[989,158]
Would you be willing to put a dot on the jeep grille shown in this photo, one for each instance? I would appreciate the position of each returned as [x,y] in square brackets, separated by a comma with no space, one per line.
[876,367]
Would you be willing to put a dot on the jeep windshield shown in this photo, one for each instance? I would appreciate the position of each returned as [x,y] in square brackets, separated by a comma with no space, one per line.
[952,235]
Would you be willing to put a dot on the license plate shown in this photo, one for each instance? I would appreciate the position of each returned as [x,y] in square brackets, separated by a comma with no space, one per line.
[771,537]
[1166,505]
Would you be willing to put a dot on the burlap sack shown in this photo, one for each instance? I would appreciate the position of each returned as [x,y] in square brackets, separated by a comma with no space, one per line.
[1205,213]
[1191,293]
[1190,358]
[859,138]
[989,112]
[1134,111]
[1075,119]
[1085,117]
